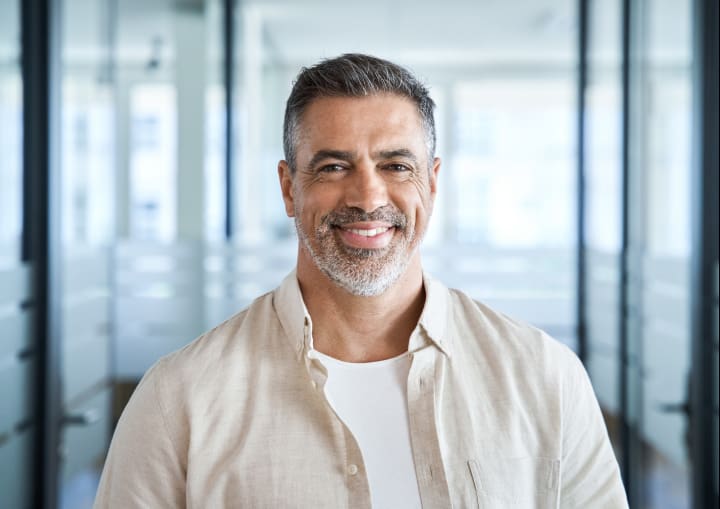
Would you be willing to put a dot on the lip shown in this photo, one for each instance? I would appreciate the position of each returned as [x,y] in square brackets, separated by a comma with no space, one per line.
[360,241]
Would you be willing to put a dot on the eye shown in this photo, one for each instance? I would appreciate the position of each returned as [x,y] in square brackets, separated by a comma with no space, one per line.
[331,168]
[398,167]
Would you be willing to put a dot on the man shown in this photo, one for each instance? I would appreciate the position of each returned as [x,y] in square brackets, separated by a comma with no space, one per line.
[361,381]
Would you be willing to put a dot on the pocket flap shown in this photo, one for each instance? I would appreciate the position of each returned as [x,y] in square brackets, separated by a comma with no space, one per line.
[516,479]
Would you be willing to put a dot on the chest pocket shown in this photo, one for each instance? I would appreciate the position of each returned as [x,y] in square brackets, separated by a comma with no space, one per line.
[516,482]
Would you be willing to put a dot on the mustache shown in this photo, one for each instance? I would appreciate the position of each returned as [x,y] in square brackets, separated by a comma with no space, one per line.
[349,215]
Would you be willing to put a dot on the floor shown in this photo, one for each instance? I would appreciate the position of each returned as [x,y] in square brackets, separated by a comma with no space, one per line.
[79,492]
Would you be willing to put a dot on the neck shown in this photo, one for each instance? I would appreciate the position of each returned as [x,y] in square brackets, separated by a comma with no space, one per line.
[361,329]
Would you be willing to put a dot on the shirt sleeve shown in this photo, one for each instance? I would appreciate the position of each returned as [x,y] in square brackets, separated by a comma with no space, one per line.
[590,477]
[143,467]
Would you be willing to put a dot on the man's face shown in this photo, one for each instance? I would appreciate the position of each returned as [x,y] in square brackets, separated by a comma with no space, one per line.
[363,189]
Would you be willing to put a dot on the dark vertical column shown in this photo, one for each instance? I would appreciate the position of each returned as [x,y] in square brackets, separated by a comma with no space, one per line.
[624,350]
[704,447]
[581,315]
[229,82]
[40,38]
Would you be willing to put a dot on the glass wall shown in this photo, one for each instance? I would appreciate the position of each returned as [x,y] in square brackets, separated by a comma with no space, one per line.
[171,175]
[87,215]
[152,165]
[638,307]
[604,207]
[10,134]
[147,121]
[659,329]
[17,356]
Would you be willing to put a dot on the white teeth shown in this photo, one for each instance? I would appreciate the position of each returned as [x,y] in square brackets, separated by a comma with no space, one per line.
[369,233]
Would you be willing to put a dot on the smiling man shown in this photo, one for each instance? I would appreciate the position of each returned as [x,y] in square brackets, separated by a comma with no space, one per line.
[361,381]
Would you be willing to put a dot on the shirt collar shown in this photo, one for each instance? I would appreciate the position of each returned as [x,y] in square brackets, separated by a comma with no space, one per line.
[292,313]
[297,323]
[434,318]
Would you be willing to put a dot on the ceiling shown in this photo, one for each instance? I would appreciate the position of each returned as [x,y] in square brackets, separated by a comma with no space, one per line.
[299,31]
[411,31]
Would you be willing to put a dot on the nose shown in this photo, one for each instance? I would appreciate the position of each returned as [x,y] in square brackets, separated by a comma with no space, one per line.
[367,189]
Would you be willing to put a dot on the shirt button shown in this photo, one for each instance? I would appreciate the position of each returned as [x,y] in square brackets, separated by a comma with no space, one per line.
[314,384]
[352,469]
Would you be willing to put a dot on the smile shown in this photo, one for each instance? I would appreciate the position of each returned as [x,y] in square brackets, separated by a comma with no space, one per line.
[368,233]
[370,237]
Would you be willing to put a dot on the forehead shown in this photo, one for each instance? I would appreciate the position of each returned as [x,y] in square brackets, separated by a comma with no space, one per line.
[340,122]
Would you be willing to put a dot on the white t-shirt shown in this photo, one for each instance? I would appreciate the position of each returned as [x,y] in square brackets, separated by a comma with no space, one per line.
[371,399]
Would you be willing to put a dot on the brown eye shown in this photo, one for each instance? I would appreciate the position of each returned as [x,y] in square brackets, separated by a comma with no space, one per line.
[398,167]
[331,168]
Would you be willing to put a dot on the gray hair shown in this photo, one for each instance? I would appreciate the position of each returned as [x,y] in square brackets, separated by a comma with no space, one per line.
[354,75]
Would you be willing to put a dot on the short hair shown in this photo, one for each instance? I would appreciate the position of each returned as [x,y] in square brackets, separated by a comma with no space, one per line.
[354,75]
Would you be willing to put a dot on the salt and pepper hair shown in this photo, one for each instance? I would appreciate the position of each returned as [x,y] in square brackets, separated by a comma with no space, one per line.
[354,75]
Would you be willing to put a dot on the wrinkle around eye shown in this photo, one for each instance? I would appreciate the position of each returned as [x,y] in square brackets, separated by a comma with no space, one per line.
[398,171]
[326,172]
[330,168]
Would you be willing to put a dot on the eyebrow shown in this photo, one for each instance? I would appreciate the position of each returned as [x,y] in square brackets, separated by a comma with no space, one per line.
[399,152]
[344,155]
[321,155]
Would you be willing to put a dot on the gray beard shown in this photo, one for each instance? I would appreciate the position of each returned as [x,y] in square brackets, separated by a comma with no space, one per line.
[361,272]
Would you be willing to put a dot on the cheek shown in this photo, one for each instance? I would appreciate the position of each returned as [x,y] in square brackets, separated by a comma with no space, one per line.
[314,207]
[321,200]
[420,203]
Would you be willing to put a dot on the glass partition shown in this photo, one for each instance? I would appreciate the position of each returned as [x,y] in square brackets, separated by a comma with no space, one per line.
[603,216]
[659,282]
[17,356]
[86,190]
[11,192]
[171,175]
[153,166]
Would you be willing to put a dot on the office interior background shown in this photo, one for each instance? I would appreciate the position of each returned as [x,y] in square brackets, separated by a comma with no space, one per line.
[139,203]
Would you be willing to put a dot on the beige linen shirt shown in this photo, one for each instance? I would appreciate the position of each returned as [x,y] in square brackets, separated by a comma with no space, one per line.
[501,416]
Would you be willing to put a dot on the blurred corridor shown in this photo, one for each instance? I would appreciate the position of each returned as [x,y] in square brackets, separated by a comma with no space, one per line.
[139,202]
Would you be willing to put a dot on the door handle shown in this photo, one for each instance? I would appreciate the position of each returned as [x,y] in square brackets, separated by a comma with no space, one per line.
[85,418]
[675,408]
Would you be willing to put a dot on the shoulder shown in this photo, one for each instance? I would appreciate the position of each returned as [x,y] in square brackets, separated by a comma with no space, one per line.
[211,370]
[484,326]
[510,350]
[227,337]
[218,352]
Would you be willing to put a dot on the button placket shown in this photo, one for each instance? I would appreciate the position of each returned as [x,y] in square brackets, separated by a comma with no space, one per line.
[432,482]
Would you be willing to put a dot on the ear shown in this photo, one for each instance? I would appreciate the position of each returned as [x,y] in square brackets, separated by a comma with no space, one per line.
[434,176]
[286,187]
